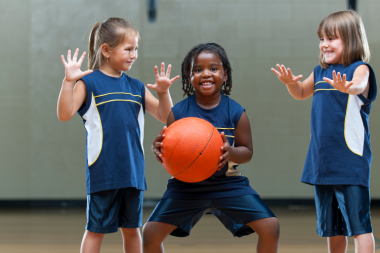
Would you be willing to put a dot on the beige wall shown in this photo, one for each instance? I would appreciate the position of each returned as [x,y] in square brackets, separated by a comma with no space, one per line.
[43,158]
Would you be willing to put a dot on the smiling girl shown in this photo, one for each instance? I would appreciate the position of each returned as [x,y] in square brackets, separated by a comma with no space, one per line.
[206,79]
[339,157]
[112,106]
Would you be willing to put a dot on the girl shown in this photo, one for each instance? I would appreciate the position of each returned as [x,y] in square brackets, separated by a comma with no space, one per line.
[206,79]
[339,157]
[112,106]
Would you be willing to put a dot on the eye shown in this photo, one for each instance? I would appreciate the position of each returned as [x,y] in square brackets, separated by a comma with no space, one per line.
[213,69]
[197,70]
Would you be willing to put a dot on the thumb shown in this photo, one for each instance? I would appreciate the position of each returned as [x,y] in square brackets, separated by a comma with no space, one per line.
[151,86]
[297,78]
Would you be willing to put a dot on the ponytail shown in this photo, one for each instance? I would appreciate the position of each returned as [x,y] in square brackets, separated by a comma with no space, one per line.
[91,48]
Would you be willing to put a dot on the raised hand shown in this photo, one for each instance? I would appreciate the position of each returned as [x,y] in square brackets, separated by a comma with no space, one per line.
[163,82]
[157,144]
[338,82]
[226,152]
[285,75]
[72,66]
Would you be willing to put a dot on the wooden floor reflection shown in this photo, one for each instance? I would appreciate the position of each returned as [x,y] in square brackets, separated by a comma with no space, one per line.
[61,230]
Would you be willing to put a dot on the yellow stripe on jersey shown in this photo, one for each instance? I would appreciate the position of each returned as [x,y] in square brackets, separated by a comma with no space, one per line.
[123,100]
[117,93]
[324,89]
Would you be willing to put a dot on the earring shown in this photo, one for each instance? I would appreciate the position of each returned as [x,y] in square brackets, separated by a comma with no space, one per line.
[107,59]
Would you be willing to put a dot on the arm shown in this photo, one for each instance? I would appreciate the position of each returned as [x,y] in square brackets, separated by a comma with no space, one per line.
[299,90]
[358,84]
[242,151]
[160,108]
[72,95]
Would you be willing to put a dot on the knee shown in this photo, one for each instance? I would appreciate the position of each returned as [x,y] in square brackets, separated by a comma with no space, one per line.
[147,234]
[268,227]
[93,236]
[130,232]
[274,226]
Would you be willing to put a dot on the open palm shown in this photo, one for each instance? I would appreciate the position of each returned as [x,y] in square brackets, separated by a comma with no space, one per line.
[163,82]
[72,66]
[285,75]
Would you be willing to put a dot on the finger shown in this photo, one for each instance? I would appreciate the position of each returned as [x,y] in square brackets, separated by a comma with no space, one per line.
[327,80]
[151,86]
[276,72]
[156,73]
[221,164]
[69,56]
[278,67]
[168,71]
[289,72]
[339,78]
[224,137]
[63,60]
[334,76]
[82,58]
[162,69]
[283,70]
[348,85]
[298,78]
[344,79]
[86,72]
[173,79]
[75,57]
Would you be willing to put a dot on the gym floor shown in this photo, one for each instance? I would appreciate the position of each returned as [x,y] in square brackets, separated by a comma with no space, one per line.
[61,230]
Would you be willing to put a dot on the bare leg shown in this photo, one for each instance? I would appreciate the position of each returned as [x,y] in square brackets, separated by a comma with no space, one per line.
[268,230]
[91,242]
[364,243]
[131,240]
[154,234]
[337,244]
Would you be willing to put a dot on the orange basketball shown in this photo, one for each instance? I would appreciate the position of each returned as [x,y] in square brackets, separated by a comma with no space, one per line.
[191,149]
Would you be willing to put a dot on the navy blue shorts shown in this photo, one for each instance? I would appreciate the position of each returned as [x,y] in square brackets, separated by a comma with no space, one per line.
[111,209]
[233,212]
[342,210]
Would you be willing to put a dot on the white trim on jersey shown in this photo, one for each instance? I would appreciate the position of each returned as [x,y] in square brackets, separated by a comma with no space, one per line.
[94,129]
[353,125]
[141,121]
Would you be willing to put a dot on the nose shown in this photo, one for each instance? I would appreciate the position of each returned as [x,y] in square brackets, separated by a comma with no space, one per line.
[133,54]
[206,73]
[324,43]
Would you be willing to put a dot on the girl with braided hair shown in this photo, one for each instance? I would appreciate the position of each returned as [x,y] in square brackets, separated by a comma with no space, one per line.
[206,80]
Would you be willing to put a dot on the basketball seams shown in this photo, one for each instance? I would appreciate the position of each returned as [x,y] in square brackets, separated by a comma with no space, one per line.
[170,157]
[197,156]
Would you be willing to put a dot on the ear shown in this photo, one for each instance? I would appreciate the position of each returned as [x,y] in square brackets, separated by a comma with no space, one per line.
[106,50]
[225,76]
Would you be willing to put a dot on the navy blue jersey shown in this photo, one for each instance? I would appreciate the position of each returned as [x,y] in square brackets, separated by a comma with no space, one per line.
[114,121]
[228,181]
[339,151]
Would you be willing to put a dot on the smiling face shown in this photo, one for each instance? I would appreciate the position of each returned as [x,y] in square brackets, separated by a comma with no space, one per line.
[207,74]
[331,49]
[122,58]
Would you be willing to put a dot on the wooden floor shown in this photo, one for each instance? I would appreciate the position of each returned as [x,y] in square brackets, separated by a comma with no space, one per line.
[61,230]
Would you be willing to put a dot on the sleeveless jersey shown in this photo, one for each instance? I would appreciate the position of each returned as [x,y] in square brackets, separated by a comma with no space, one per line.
[228,181]
[339,151]
[114,121]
